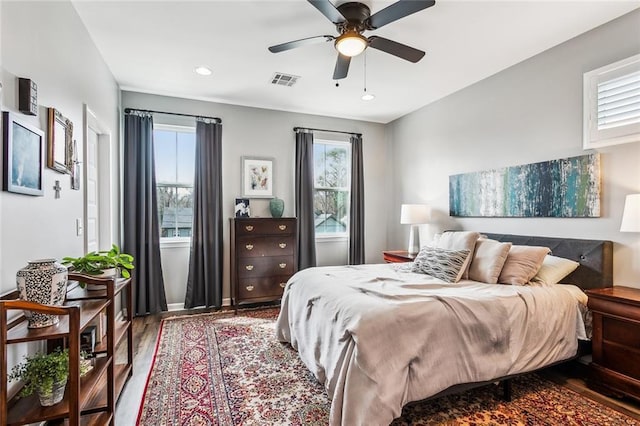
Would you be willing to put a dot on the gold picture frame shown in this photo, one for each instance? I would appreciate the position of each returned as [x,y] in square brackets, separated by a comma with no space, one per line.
[59,142]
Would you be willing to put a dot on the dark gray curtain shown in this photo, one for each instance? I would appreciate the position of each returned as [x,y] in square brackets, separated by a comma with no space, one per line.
[304,200]
[356,215]
[140,215]
[204,285]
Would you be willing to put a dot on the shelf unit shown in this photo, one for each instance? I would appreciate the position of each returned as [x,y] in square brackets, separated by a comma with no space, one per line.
[88,400]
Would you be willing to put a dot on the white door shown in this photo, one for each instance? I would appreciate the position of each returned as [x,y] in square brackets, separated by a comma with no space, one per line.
[92,227]
[99,206]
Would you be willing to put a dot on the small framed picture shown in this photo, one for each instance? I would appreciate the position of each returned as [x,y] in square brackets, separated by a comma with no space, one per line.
[242,207]
[257,177]
[23,156]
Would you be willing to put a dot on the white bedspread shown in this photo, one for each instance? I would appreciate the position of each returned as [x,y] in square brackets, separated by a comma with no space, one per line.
[378,337]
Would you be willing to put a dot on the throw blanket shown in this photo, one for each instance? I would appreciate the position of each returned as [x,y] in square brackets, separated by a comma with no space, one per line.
[378,337]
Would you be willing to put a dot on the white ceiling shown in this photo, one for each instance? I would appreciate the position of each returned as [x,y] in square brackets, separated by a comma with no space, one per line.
[154,46]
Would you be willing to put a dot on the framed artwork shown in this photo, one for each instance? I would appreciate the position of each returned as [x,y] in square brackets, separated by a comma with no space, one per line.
[568,187]
[59,142]
[242,207]
[23,156]
[257,177]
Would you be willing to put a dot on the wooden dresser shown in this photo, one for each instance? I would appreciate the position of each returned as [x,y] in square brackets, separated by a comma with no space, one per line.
[616,341]
[263,258]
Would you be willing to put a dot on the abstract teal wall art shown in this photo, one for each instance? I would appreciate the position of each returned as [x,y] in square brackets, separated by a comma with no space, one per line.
[569,187]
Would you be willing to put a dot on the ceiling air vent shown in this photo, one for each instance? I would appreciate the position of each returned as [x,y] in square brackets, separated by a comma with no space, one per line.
[282,79]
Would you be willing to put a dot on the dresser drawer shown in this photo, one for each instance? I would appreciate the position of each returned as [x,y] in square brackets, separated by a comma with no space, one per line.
[624,333]
[265,246]
[265,227]
[252,288]
[265,266]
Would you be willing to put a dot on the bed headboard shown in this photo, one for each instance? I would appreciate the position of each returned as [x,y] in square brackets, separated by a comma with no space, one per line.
[595,257]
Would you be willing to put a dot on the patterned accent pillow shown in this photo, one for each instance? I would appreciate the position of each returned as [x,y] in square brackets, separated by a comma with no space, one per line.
[443,264]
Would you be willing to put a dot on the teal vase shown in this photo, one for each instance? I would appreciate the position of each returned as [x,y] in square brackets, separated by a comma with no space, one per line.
[276,206]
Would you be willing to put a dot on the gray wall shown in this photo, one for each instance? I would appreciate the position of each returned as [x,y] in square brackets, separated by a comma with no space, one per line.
[530,112]
[55,50]
[269,133]
[47,42]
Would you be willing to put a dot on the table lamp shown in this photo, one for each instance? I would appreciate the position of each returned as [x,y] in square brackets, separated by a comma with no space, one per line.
[414,215]
[631,214]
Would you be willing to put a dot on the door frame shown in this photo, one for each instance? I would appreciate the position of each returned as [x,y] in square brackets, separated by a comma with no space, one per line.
[105,177]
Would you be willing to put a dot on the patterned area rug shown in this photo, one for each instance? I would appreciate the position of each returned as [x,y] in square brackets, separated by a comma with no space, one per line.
[222,369]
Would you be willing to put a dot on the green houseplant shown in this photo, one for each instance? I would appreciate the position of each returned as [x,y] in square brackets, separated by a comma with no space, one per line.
[45,374]
[96,262]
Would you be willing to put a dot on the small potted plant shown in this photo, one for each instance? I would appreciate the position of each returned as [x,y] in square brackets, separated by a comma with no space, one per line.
[98,263]
[45,374]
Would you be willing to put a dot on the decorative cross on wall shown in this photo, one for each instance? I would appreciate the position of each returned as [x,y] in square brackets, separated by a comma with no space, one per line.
[57,188]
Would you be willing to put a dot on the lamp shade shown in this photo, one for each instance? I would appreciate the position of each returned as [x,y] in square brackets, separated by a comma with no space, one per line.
[631,214]
[413,214]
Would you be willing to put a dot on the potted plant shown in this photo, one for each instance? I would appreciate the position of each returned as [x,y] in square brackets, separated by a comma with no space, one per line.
[45,374]
[97,262]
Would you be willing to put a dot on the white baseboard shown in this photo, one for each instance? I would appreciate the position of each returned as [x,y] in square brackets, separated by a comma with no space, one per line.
[180,306]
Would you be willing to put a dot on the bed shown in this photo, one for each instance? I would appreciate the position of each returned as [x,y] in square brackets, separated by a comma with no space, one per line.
[380,336]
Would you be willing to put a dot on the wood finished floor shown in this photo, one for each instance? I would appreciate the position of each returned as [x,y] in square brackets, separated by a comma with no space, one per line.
[145,330]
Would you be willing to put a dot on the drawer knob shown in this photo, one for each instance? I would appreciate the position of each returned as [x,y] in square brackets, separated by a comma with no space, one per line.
[249,246]
[249,228]
[282,245]
[249,288]
[282,227]
[249,267]
[283,285]
[282,265]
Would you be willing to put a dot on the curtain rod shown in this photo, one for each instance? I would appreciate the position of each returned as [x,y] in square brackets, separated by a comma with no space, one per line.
[296,129]
[128,110]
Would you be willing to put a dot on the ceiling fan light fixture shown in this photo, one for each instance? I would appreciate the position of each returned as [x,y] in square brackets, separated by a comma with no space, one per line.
[351,43]
[203,70]
[368,96]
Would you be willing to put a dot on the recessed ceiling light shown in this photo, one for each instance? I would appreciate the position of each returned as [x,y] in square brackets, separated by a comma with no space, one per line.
[368,97]
[202,70]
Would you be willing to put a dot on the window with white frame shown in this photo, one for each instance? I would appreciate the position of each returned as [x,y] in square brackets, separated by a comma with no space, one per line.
[174,151]
[612,104]
[332,181]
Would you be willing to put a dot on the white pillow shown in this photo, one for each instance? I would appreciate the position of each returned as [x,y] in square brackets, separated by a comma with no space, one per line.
[440,263]
[553,270]
[458,240]
[488,259]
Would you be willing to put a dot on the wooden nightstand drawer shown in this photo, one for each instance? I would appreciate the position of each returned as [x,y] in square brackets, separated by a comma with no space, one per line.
[615,369]
[624,333]
[398,256]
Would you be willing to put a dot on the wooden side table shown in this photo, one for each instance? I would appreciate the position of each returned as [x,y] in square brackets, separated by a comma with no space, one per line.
[616,341]
[398,256]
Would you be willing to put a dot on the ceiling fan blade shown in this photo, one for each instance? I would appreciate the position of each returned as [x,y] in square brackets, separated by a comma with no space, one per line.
[396,11]
[397,49]
[328,9]
[302,42]
[342,67]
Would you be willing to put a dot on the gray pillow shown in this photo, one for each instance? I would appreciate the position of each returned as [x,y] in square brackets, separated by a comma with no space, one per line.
[443,264]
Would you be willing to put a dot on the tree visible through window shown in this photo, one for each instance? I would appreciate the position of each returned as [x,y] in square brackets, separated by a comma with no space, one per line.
[332,177]
[174,150]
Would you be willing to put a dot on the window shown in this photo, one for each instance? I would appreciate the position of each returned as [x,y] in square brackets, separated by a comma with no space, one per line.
[175,151]
[612,104]
[332,180]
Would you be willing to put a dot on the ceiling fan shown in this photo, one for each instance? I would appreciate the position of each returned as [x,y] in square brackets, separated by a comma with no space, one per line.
[351,20]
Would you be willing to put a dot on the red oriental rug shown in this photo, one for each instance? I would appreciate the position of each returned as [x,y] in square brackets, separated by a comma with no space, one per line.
[222,369]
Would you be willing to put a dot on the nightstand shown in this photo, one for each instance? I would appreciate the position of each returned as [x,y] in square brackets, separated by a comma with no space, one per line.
[616,341]
[398,256]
